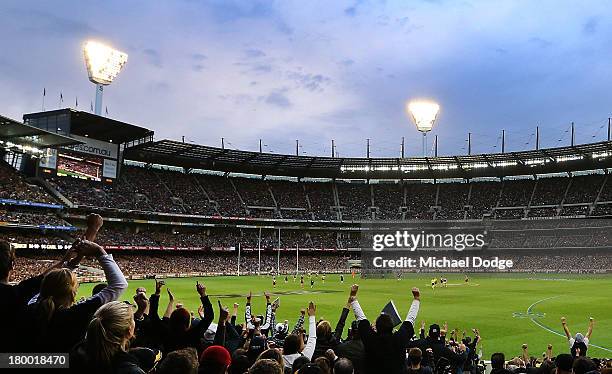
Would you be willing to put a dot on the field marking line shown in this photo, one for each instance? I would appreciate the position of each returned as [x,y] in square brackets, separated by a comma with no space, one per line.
[540,324]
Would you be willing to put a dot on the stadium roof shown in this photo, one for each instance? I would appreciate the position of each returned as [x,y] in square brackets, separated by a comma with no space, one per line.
[94,126]
[18,133]
[552,160]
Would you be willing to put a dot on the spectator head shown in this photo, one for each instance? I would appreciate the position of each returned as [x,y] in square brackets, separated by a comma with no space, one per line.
[354,330]
[498,360]
[266,366]
[281,329]
[384,324]
[97,288]
[583,365]
[344,366]
[147,358]
[434,331]
[7,259]
[58,289]
[182,361]
[109,332]
[293,344]
[298,363]
[310,368]
[215,360]
[256,346]
[415,355]
[240,364]
[271,354]
[564,363]
[180,319]
[324,330]
[323,364]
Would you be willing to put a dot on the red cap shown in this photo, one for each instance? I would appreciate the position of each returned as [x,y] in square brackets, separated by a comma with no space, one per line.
[216,354]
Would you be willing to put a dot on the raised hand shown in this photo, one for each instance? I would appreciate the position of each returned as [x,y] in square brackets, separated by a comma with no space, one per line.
[354,289]
[303,312]
[94,221]
[223,313]
[201,312]
[158,286]
[267,295]
[312,309]
[563,320]
[416,293]
[249,296]
[86,248]
[201,289]
[170,295]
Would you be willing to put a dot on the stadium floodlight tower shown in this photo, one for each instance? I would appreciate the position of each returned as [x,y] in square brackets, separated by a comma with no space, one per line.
[424,114]
[103,65]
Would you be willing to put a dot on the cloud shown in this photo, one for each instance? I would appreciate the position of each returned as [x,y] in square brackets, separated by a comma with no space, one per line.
[591,25]
[153,57]
[254,53]
[198,57]
[279,99]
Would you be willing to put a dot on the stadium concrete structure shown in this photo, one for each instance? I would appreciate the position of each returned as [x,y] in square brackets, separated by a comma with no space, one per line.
[173,196]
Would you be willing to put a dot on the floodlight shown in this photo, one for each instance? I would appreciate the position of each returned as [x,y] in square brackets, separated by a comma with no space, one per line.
[424,114]
[103,65]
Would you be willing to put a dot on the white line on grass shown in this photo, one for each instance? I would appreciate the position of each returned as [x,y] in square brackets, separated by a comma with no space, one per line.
[540,324]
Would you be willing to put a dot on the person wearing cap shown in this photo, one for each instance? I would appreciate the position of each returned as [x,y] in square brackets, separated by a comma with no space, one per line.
[579,343]
[215,360]
[435,341]
[385,350]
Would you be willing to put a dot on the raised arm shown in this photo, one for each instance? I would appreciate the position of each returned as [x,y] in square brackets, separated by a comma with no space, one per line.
[154,301]
[312,332]
[406,330]
[591,325]
[248,316]
[299,323]
[221,326]
[117,283]
[565,328]
[359,314]
[170,306]
[268,317]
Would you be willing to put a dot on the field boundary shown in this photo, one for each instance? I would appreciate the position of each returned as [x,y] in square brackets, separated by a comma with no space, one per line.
[543,326]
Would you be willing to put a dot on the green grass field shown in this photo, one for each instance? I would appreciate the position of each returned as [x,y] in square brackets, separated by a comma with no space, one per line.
[509,310]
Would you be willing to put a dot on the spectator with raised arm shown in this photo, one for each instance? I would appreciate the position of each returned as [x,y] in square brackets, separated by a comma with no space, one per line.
[578,344]
[385,350]
[176,331]
[294,344]
[59,323]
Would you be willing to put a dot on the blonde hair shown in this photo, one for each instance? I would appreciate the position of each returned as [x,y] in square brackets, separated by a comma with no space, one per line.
[324,329]
[109,332]
[58,290]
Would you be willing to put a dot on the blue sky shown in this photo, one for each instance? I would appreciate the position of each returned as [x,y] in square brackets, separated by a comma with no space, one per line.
[322,70]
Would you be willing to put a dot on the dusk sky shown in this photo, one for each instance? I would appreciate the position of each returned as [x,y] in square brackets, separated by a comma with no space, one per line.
[322,70]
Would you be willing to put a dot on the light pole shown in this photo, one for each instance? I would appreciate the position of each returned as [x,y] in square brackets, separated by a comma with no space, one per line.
[423,114]
[103,65]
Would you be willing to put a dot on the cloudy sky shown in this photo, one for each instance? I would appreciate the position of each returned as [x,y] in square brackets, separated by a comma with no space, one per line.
[321,70]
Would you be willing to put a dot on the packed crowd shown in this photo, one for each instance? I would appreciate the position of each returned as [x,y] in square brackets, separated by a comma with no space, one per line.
[14,186]
[31,218]
[172,191]
[105,335]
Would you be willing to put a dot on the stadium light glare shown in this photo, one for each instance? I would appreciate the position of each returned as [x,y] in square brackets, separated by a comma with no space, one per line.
[103,62]
[103,65]
[424,114]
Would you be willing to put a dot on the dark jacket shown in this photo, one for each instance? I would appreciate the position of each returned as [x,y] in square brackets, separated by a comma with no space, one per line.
[172,339]
[440,351]
[331,342]
[354,351]
[14,300]
[66,328]
[385,353]
[123,363]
